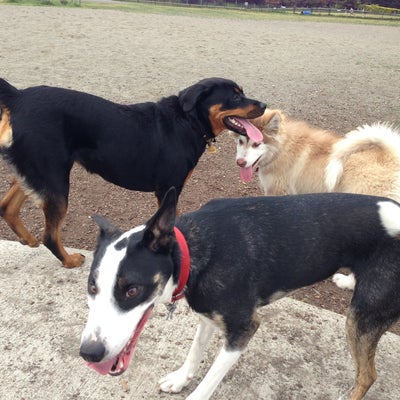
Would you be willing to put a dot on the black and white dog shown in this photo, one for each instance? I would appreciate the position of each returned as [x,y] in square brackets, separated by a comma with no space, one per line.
[242,254]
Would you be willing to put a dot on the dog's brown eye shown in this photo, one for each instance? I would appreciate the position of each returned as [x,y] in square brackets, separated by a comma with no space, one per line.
[255,145]
[133,291]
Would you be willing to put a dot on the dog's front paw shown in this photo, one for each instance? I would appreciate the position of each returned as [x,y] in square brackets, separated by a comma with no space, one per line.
[175,381]
[31,242]
[73,260]
[344,281]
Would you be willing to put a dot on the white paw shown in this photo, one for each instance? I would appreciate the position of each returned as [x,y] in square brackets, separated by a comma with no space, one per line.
[175,381]
[344,281]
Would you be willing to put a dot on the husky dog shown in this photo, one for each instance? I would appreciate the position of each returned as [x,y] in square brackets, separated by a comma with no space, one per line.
[295,158]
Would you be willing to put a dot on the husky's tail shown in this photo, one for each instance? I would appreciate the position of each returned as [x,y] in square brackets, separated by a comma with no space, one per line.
[7,94]
[378,134]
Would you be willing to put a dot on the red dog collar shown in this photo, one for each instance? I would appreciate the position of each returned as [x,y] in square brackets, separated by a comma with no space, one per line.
[179,292]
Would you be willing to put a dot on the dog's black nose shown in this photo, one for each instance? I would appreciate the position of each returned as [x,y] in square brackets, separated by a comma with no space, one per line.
[92,351]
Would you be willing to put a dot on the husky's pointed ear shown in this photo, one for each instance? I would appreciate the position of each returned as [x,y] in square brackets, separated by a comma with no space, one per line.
[159,232]
[107,230]
[273,125]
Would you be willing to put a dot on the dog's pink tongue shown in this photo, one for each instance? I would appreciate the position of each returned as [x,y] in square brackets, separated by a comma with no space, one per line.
[246,174]
[252,132]
[102,368]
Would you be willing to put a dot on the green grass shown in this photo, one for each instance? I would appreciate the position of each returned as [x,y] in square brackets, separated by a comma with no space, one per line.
[210,12]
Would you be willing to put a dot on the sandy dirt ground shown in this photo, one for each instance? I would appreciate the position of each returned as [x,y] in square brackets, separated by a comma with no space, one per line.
[337,76]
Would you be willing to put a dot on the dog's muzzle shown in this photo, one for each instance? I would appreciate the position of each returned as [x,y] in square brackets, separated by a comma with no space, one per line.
[92,350]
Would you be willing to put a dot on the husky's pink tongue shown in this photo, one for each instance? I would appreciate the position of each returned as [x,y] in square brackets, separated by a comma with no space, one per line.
[246,174]
[124,358]
[252,132]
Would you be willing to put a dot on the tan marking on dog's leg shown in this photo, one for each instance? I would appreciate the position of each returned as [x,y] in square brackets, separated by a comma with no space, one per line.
[54,213]
[5,128]
[363,348]
[184,184]
[10,207]
[158,200]
[188,177]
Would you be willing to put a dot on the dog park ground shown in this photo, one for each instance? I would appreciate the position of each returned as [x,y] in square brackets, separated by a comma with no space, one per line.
[333,75]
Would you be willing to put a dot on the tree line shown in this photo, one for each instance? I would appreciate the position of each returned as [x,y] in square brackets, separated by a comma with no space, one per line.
[355,4]
[339,4]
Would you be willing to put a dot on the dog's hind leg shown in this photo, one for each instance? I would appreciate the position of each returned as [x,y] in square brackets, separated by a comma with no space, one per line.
[10,207]
[363,347]
[177,380]
[54,210]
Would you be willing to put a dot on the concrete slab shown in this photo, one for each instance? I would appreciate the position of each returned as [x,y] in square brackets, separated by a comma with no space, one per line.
[299,352]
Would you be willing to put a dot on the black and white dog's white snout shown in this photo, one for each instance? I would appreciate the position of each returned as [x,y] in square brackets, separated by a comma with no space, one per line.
[121,297]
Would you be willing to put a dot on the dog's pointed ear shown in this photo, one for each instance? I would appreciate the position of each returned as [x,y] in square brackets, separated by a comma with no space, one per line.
[189,97]
[107,230]
[274,123]
[159,232]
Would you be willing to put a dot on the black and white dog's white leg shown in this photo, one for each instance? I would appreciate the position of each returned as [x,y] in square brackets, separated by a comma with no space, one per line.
[177,380]
[222,364]
[238,333]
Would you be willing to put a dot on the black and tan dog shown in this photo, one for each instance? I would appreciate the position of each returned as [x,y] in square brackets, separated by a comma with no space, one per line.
[146,147]
[231,257]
